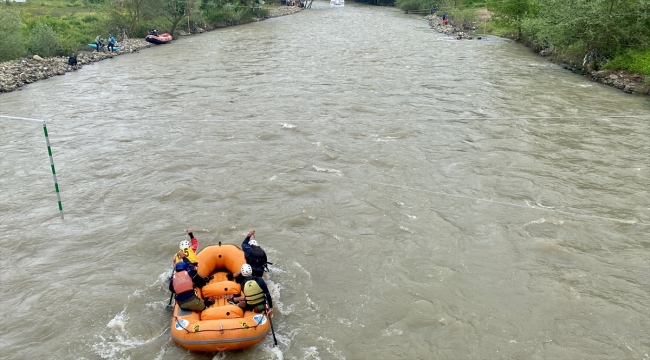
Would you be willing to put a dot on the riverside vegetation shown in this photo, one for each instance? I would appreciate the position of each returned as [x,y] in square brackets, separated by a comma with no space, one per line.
[604,39]
[57,27]
[51,41]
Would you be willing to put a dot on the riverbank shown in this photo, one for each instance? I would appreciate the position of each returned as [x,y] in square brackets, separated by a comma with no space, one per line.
[16,73]
[620,79]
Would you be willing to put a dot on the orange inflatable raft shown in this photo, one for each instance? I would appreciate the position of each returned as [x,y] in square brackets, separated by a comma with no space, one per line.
[222,326]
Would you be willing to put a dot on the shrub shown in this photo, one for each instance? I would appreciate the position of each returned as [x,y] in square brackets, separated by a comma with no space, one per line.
[89,18]
[12,45]
[463,17]
[44,42]
[635,61]
[219,17]
[408,5]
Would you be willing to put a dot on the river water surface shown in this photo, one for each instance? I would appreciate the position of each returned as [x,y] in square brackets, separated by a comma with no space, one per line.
[420,197]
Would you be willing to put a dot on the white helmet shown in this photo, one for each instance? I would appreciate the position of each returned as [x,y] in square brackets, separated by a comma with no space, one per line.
[246,270]
[253,243]
[184,244]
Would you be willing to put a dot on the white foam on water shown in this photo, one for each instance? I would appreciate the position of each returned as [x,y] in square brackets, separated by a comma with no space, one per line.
[273,178]
[119,340]
[303,269]
[538,221]
[391,332]
[327,170]
[118,321]
[406,229]
[277,352]
[288,126]
[345,322]
[376,137]
[220,355]
[411,216]
[311,353]
[543,206]
[312,305]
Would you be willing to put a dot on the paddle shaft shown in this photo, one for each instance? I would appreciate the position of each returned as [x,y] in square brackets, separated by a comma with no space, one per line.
[171,297]
[275,341]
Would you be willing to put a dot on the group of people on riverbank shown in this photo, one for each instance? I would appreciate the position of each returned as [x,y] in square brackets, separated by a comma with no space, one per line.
[99,43]
[254,296]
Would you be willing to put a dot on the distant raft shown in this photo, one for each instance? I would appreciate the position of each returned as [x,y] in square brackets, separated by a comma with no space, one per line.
[94,46]
[222,326]
[159,39]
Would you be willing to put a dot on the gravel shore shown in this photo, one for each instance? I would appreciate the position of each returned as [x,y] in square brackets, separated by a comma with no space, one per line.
[16,73]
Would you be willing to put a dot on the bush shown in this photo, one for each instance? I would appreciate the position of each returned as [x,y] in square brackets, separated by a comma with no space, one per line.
[463,17]
[216,18]
[408,5]
[89,18]
[44,42]
[635,61]
[12,45]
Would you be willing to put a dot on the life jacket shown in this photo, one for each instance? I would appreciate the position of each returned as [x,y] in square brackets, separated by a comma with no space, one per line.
[182,282]
[257,257]
[253,292]
[189,253]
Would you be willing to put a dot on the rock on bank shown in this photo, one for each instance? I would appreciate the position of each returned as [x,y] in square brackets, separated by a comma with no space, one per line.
[16,73]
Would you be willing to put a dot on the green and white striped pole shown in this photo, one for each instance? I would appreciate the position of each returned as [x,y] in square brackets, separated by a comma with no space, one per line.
[56,184]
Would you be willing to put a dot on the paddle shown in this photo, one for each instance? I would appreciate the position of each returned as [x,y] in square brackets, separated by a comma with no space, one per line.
[275,341]
[171,297]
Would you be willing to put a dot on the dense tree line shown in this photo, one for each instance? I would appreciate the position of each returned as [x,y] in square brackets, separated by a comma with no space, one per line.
[594,31]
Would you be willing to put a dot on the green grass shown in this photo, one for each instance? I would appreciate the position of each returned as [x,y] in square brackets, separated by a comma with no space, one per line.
[634,61]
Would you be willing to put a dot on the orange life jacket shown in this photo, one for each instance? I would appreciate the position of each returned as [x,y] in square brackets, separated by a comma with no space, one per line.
[182,282]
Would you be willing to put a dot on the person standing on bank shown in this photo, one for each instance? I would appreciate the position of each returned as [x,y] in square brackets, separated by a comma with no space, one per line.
[255,294]
[98,42]
[111,43]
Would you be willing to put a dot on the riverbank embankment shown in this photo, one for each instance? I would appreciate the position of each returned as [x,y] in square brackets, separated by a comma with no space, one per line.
[16,73]
[620,79]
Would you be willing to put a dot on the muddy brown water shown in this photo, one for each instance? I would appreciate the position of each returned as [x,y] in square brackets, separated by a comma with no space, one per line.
[420,197]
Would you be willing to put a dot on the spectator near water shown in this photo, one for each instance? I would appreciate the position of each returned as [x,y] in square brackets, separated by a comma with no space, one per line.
[72,60]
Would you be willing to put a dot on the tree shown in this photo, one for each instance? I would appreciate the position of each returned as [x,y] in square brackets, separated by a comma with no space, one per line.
[126,15]
[11,37]
[43,41]
[510,11]
[176,10]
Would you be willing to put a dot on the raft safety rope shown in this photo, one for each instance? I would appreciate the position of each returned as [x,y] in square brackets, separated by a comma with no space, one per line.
[220,330]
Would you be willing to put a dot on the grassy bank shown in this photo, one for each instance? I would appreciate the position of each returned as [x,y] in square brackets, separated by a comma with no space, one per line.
[58,27]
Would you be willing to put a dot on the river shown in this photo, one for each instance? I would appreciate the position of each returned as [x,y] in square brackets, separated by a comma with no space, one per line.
[420,197]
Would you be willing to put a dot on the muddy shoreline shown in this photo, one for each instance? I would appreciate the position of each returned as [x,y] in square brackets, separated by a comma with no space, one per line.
[14,74]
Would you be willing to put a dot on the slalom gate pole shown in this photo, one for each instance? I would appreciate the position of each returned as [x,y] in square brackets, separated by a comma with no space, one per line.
[56,184]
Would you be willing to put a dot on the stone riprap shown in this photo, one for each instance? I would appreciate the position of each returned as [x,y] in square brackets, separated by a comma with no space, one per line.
[16,73]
